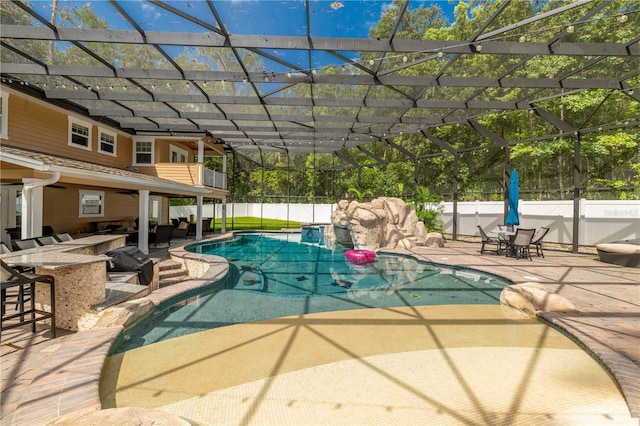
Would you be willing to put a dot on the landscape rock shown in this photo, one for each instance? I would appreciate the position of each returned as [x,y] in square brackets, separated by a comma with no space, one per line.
[532,298]
[434,239]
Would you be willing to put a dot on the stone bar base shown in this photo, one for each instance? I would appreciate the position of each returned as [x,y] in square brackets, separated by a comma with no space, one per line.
[84,286]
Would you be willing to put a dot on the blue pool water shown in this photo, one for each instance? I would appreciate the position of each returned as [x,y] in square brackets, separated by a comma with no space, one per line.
[277,274]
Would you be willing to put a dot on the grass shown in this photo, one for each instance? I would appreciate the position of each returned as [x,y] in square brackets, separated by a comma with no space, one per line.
[248,222]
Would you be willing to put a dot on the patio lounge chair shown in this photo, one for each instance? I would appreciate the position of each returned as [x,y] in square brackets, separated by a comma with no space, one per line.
[519,246]
[162,235]
[181,231]
[487,240]
[537,240]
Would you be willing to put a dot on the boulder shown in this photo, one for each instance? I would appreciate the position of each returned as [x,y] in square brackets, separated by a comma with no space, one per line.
[532,298]
[434,239]
[420,233]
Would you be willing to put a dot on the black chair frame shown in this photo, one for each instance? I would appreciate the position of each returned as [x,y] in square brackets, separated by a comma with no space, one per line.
[537,240]
[487,240]
[519,246]
[25,282]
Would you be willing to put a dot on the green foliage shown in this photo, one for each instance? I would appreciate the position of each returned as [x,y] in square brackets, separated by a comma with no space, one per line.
[429,209]
[360,194]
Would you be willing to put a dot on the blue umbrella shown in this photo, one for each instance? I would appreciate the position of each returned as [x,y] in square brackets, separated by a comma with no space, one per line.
[514,194]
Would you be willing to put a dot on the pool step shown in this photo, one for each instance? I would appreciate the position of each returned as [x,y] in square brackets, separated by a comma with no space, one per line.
[172,272]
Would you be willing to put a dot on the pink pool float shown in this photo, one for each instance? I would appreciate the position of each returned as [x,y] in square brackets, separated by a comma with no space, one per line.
[360,257]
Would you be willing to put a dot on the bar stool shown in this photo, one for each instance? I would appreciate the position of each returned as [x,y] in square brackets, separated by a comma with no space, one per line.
[24,282]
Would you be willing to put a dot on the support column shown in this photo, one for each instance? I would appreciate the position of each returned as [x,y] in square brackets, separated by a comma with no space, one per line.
[143,221]
[455,197]
[223,219]
[576,193]
[199,199]
[31,222]
[31,210]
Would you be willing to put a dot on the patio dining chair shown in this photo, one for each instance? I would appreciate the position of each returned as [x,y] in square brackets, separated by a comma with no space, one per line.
[519,246]
[537,240]
[487,240]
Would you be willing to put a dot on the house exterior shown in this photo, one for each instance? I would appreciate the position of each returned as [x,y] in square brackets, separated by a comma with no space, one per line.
[61,169]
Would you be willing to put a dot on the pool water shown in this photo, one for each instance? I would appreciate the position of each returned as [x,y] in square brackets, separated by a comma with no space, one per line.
[276,274]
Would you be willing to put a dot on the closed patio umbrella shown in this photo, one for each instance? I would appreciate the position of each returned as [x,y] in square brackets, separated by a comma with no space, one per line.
[514,194]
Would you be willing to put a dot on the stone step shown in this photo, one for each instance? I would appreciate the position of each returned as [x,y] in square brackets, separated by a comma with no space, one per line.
[127,277]
[169,264]
[171,281]
[171,273]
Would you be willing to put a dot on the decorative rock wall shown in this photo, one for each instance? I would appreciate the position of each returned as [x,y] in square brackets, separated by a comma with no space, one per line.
[385,222]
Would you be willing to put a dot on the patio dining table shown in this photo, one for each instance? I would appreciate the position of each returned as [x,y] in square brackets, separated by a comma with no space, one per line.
[508,236]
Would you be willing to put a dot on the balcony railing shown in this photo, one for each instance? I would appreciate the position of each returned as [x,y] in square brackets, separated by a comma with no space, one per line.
[191,174]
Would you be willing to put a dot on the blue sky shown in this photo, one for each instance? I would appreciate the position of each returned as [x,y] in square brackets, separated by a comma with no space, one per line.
[353,18]
[348,19]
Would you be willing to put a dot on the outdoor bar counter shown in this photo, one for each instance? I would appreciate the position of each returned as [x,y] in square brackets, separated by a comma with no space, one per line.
[80,272]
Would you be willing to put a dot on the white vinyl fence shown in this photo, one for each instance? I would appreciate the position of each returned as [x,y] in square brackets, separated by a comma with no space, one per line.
[600,221]
[305,213]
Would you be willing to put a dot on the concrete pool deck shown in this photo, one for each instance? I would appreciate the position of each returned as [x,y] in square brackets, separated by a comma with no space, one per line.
[43,379]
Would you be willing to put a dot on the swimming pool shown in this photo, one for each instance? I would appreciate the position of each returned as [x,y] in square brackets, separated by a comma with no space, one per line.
[276,274]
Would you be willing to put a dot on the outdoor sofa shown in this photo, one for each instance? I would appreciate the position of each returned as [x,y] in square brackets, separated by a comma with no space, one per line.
[625,253]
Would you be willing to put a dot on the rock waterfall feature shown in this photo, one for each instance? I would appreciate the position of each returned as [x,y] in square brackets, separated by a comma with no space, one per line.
[385,222]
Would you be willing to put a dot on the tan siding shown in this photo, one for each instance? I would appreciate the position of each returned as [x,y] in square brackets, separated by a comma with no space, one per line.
[180,172]
[34,126]
[62,209]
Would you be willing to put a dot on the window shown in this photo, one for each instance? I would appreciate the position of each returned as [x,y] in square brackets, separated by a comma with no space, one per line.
[178,155]
[91,203]
[79,134]
[4,115]
[107,143]
[143,154]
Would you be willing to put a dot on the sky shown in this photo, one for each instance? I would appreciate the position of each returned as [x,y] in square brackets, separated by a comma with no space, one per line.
[328,18]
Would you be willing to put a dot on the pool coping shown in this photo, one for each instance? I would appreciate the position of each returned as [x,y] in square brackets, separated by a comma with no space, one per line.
[69,381]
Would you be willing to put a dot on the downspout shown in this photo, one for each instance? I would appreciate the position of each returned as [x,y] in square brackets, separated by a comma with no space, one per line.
[28,213]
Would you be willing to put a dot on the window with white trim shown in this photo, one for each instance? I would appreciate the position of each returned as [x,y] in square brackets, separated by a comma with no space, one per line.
[4,115]
[79,134]
[91,203]
[107,142]
[178,155]
[143,153]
